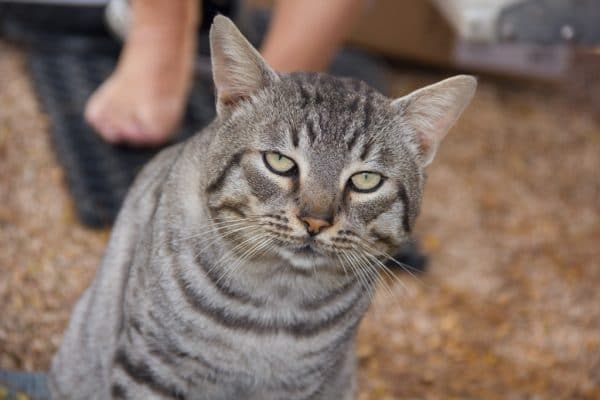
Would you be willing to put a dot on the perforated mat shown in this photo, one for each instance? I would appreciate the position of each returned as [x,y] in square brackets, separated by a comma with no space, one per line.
[98,173]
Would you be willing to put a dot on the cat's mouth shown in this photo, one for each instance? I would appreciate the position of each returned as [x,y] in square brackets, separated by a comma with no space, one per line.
[306,250]
[304,256]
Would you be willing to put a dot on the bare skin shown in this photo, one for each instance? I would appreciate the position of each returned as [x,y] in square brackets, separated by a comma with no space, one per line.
[305,34]
[141,103]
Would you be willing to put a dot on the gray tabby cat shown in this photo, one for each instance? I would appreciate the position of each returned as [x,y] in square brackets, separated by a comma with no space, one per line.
[242,261]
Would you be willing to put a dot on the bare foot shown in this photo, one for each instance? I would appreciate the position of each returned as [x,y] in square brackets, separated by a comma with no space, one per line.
[141,103]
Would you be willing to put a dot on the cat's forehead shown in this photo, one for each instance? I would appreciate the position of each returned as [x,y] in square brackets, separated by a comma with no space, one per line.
[323,92]
[332,111]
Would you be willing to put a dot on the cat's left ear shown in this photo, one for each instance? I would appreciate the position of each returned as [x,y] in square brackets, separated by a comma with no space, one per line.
[238,69]
[432,110]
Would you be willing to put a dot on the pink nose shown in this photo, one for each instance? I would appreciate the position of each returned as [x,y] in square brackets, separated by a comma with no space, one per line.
[314,225]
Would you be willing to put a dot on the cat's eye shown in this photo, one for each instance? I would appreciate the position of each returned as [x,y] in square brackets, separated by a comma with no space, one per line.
[279,164]
[366,181]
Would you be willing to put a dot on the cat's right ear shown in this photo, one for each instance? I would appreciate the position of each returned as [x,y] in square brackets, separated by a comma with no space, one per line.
[431,111]
[238,69]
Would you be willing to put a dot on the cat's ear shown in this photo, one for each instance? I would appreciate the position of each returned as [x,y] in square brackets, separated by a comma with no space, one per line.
[238,69]
[432,110]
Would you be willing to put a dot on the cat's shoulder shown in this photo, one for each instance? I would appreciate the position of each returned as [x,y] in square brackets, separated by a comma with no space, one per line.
[154,173]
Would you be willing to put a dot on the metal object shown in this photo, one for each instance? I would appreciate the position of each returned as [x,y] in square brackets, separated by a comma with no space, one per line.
[524,37]
[530,21]
[552,21]
[544,62]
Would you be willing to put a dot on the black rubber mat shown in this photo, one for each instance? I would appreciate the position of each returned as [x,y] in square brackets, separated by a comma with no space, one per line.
[98,173]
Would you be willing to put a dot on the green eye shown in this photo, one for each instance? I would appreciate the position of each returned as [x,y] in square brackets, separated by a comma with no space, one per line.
[366,181]
[279,163]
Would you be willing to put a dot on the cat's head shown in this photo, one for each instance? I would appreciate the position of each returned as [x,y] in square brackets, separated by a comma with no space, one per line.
[315,169]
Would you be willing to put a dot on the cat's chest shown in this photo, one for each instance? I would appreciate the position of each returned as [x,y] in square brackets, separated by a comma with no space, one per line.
[278,361]
[298,353]
[275,331]
[248,353]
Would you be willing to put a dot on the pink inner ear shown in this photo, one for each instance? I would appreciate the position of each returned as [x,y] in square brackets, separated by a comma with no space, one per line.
[441,126]
[238,69]
[432,110]
[425,143]
[231,99]
[430,133]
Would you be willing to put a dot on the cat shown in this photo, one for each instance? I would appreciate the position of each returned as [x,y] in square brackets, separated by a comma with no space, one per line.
[243,259]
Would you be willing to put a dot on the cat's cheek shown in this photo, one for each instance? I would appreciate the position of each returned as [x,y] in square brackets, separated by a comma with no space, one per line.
[262,186]
[386,230]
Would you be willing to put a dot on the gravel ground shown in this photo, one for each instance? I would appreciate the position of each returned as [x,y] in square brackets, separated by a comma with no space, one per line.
[510,306]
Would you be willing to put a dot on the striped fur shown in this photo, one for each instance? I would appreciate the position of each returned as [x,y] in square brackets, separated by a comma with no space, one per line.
[211,286]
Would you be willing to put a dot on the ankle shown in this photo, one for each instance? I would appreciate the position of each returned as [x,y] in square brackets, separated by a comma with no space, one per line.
[174,15]
[158,46]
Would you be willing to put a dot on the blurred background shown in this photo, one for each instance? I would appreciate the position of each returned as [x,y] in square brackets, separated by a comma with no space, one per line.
[509,304]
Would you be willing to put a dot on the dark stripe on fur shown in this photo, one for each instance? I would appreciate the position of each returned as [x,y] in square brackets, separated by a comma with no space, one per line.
[368,112]
[228,206]
[128,264]
[219,284]
[388,240]
[218,182]
[406,216]
[353,107]
[281,218]
[169,354]
[313,381]
[180,326]
[352,140]
[261,186]
[118,391]
[331,297]
[226,318]
[311,131]
[306,387]
[378,207]
[318,98]
[294,136]
[334,346]
[167,351]
[304,94]
[366,149]
[141,374]
[335,368]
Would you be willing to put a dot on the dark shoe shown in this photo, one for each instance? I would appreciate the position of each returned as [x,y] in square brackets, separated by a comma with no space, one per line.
[408,258]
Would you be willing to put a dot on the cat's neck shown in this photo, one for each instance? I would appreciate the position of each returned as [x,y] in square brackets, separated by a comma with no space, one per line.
[270,280]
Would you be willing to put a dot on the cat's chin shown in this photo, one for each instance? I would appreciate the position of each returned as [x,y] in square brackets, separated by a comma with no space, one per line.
[304,261]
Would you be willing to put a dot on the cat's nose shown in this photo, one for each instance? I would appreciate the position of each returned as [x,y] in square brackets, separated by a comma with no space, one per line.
[314,225]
